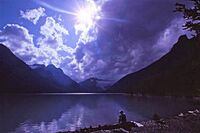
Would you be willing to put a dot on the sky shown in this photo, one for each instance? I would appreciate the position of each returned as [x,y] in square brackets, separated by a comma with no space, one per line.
[106,39]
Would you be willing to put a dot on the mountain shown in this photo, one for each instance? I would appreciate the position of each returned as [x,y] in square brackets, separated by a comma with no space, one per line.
[94,85]
[53,74]
[17,77]
[176,73]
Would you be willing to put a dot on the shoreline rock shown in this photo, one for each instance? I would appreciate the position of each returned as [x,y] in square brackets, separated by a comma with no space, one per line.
[188,122]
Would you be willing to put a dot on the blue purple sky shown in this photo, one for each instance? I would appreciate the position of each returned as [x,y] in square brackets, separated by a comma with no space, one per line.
[90,38]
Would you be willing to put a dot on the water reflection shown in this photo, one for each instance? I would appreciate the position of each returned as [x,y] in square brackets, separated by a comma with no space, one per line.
[51,113]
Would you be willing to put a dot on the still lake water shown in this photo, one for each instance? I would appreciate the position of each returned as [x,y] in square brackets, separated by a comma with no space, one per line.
[51,113]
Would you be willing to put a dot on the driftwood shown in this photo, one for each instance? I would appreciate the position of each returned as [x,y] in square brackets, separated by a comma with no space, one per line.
[127,126]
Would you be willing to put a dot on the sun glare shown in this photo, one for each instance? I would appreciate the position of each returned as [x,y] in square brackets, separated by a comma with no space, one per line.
[88,15]
[85,16]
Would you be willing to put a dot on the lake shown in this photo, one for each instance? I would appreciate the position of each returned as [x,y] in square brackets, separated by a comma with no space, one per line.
[51,113]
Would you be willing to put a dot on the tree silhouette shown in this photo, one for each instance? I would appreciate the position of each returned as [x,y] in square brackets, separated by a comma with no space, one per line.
[191,15]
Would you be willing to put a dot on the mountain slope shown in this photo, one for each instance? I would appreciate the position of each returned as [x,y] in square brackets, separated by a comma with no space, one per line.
[176,73]
[56,75]
[18,77]
[95,85]
[90,85]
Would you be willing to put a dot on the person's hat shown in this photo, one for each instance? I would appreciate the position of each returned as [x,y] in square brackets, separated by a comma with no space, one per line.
[121,112]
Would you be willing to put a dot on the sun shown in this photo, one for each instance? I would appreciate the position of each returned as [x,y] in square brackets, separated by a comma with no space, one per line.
[88,15]
[85,16]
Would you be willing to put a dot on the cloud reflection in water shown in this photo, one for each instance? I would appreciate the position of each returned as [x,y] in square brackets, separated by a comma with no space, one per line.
[49,114]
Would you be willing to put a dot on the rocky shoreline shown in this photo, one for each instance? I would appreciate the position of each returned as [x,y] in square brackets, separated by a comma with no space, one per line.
[188,122]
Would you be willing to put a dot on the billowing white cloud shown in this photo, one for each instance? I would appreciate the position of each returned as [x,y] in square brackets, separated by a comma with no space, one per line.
[18,39]
[33,15]
[52,28]
[52,41]
[50,48]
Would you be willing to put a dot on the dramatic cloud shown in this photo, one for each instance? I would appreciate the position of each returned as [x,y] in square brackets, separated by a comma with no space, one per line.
[132,35]
[169,37]
[49,49]
[33,15]
[52,41]
[18,39]
[110,39]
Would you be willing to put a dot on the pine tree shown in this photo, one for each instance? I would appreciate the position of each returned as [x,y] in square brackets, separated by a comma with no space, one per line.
[191,15]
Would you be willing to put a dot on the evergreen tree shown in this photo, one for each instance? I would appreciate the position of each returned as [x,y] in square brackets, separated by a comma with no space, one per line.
[191,15]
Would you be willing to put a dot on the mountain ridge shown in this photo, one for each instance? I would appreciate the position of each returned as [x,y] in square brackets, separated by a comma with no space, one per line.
[17,77]
[176,73]
[95,85]
[57,75]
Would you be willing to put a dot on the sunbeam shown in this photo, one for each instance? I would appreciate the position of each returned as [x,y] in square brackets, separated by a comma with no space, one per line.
[42,3]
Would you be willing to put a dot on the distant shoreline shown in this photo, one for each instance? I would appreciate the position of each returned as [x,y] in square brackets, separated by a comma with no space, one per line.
[126,94]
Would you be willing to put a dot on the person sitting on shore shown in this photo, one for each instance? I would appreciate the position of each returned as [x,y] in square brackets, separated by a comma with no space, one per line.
[122,118]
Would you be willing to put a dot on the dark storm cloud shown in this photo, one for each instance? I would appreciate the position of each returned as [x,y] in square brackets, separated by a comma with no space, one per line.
[146,31]
[144,17]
